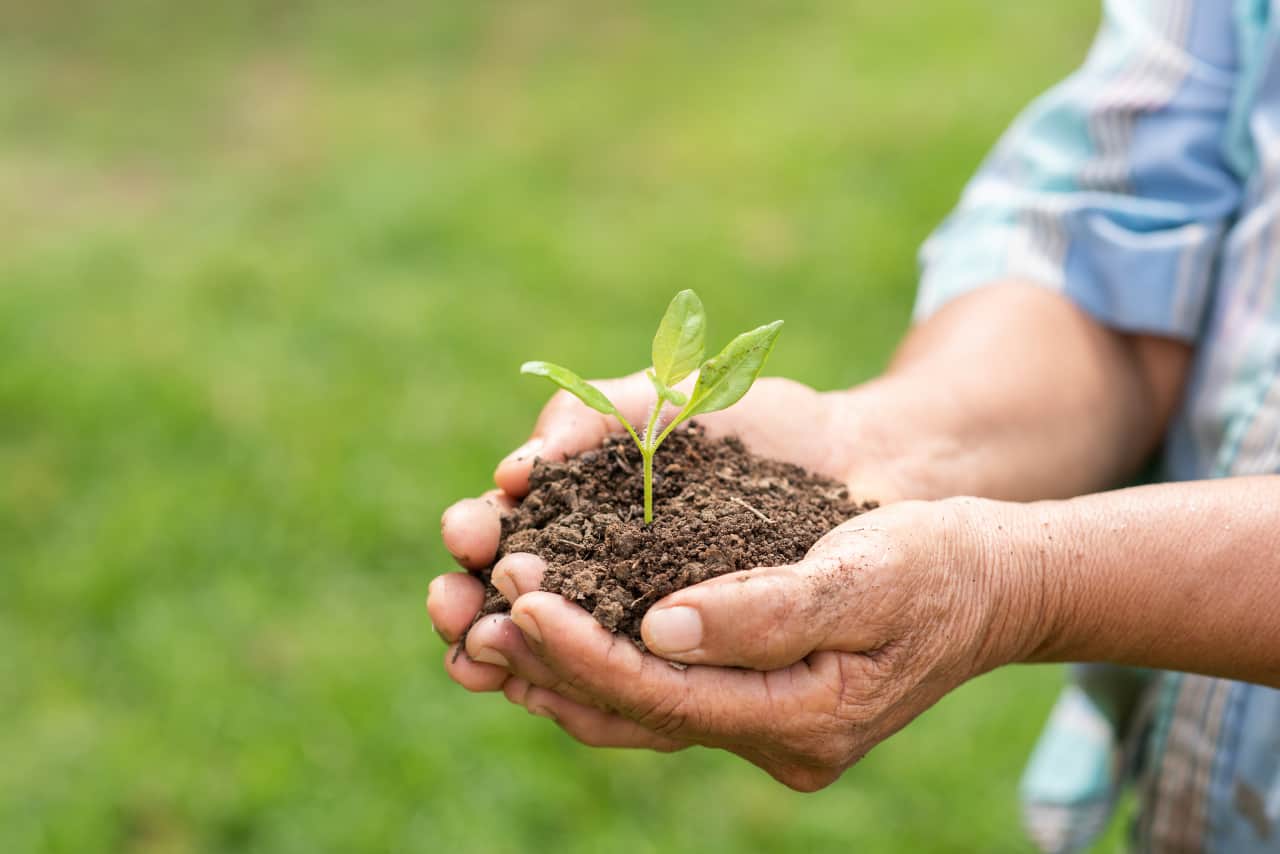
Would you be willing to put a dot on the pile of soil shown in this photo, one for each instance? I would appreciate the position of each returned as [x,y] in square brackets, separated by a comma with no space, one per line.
[717,509]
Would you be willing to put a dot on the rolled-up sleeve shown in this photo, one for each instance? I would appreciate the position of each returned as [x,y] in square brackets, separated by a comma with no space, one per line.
[1114,188]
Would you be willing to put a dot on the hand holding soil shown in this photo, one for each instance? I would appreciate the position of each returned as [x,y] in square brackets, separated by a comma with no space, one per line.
[777,418]
[849,636]
[894,608]
[799,669]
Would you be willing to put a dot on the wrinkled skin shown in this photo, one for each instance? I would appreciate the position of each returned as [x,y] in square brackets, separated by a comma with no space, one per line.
[799,669]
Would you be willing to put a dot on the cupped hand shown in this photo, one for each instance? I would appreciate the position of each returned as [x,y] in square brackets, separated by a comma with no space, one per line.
[799,669]
[777,418]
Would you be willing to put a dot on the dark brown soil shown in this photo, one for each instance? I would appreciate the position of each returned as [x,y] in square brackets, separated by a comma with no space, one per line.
[717,509]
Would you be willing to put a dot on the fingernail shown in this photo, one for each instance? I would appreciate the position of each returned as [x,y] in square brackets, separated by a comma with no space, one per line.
[673,630]
[528,626]
[530,448]
[543,712]
[491,656]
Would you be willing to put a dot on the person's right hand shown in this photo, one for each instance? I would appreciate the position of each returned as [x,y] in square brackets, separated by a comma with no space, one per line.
[777,418]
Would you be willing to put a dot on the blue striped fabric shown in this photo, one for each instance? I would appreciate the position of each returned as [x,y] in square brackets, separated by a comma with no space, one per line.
[1146,189]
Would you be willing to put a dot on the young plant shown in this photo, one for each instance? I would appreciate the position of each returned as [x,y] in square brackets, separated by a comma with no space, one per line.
[678,348]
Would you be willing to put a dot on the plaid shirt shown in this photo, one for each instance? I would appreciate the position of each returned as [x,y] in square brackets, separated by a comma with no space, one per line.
[1146,189]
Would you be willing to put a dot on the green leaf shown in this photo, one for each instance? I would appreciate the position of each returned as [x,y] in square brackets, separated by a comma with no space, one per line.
[725,378]
[676,397]
[572,383]
[680,342]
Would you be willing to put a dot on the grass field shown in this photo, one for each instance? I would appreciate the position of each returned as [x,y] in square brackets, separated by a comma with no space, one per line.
[266,273]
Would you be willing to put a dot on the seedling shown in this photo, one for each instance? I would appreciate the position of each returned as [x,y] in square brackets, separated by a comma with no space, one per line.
[678,348]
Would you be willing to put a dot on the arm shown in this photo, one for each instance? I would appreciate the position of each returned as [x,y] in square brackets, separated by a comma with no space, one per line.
[1177,576]
[932,594]
[1112,192]
[1013,392]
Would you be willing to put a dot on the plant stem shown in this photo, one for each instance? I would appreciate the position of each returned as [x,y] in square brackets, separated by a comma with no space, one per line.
[648,487]
[667,432]
[632,431]
[653,425]
[647,450]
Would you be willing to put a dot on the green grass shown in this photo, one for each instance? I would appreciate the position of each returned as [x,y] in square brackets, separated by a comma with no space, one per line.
[265,279]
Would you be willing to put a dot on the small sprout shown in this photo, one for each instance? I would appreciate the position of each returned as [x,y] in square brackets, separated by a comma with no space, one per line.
[678,349]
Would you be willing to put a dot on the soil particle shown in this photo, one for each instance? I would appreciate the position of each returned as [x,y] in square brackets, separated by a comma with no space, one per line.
[717,509]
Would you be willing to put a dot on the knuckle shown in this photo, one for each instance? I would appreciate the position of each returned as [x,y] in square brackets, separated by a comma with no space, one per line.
[516,690]
[773,643]
[571,684]
[665,715]
[570,689]
[768,640]
[581,689]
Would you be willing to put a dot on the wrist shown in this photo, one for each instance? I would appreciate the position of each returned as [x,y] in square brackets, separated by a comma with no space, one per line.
[998,551]
[1056,534]
[1037,561]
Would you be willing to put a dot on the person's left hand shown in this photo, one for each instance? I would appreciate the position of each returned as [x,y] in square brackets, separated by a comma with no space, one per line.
[799,669]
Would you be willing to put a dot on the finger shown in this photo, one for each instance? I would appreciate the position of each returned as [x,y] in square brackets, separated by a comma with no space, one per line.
[587,724]
[471,530]
[473,675]
[567,427]
[453,599]
[512,473]
[772,617]
[517,574]
[703,704]
[498,641]
[762,618]
[500,501]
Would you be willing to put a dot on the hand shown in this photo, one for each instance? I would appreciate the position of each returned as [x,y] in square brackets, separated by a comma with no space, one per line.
[884,616]
[834,442]
[777,418]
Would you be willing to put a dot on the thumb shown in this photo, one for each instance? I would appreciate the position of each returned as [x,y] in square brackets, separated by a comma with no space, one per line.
[772,617]
[761,618]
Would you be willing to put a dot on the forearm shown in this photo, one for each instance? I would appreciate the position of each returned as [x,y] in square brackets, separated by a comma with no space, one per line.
[1179,576]
[1012,392]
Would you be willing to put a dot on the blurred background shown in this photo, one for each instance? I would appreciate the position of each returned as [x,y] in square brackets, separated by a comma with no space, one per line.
[267,271]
